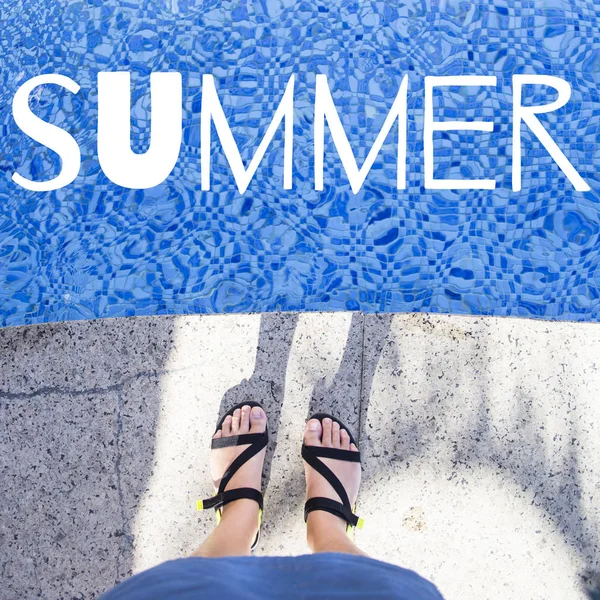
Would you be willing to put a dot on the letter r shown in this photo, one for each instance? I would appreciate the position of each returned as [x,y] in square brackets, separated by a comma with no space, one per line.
[527,114]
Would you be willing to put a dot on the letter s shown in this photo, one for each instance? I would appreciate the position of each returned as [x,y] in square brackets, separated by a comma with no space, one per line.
[47,134]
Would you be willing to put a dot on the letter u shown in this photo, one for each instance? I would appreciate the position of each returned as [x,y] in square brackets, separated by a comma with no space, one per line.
[120,164]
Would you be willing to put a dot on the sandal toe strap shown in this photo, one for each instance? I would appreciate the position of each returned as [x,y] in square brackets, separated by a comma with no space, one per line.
[240,440]
[336,453]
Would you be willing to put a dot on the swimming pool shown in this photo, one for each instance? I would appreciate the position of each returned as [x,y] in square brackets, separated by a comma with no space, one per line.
[96,249]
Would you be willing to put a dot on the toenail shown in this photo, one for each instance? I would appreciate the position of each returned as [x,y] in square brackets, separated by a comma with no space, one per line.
[313,425]
[328,421]
[256,412]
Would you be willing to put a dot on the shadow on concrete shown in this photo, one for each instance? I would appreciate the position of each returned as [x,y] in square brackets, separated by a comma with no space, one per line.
[339,398]
[524,457]
[67,428]
[322,376]
[267,383]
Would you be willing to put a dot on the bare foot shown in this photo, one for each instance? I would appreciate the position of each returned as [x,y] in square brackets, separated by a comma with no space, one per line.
[244,420]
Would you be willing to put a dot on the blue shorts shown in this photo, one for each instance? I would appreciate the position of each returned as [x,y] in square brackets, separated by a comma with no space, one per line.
[312,576]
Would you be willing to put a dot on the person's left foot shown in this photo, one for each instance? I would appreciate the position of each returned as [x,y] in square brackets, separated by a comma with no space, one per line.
[327,532]
[244,420]
[329,434]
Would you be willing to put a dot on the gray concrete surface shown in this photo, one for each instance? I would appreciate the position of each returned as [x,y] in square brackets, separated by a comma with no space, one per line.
[480,440]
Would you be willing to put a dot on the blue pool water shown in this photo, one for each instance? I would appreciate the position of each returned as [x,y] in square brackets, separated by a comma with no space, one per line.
[94,249]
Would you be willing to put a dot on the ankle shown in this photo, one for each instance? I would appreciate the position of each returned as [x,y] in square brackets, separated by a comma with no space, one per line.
[242,515]
[324,531]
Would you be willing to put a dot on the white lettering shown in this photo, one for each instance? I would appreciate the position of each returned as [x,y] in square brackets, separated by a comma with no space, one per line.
[211,109]
[430,126]
[527,114]
[325,109]
[49,135]
[118,161]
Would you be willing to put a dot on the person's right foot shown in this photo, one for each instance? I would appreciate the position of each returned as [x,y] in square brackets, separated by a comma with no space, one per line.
[244,420]
[330,435]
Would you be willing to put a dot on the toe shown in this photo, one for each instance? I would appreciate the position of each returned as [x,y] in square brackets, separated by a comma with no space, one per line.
[335,435]
[245,419]
[327,427]
[344,440]
[258,420]
[353,448]
[235,421]
[227,426]
[217,435]
[312,433]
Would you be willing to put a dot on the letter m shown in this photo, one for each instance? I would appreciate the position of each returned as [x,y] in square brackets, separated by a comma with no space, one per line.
[212,111]
[325,109]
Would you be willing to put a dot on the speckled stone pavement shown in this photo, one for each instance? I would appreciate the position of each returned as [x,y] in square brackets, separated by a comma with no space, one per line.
[480,440]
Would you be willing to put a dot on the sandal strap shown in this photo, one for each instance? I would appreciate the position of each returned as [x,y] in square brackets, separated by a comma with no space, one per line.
[333,507]
[239,440]
[336,453]
[243,458]
[311,455]
[222,498]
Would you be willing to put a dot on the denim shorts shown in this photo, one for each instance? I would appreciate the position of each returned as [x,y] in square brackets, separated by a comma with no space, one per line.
[313,577]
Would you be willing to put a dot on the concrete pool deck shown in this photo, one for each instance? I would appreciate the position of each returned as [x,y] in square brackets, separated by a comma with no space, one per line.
[480,438]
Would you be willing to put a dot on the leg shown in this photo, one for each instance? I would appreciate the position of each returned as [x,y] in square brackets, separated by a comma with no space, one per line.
[327,532]
[234,535]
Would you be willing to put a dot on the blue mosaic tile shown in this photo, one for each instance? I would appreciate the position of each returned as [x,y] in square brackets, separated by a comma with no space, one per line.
[94,249]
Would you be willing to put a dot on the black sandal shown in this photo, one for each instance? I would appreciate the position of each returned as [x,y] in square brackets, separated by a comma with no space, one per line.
[257,442]
[311,455]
